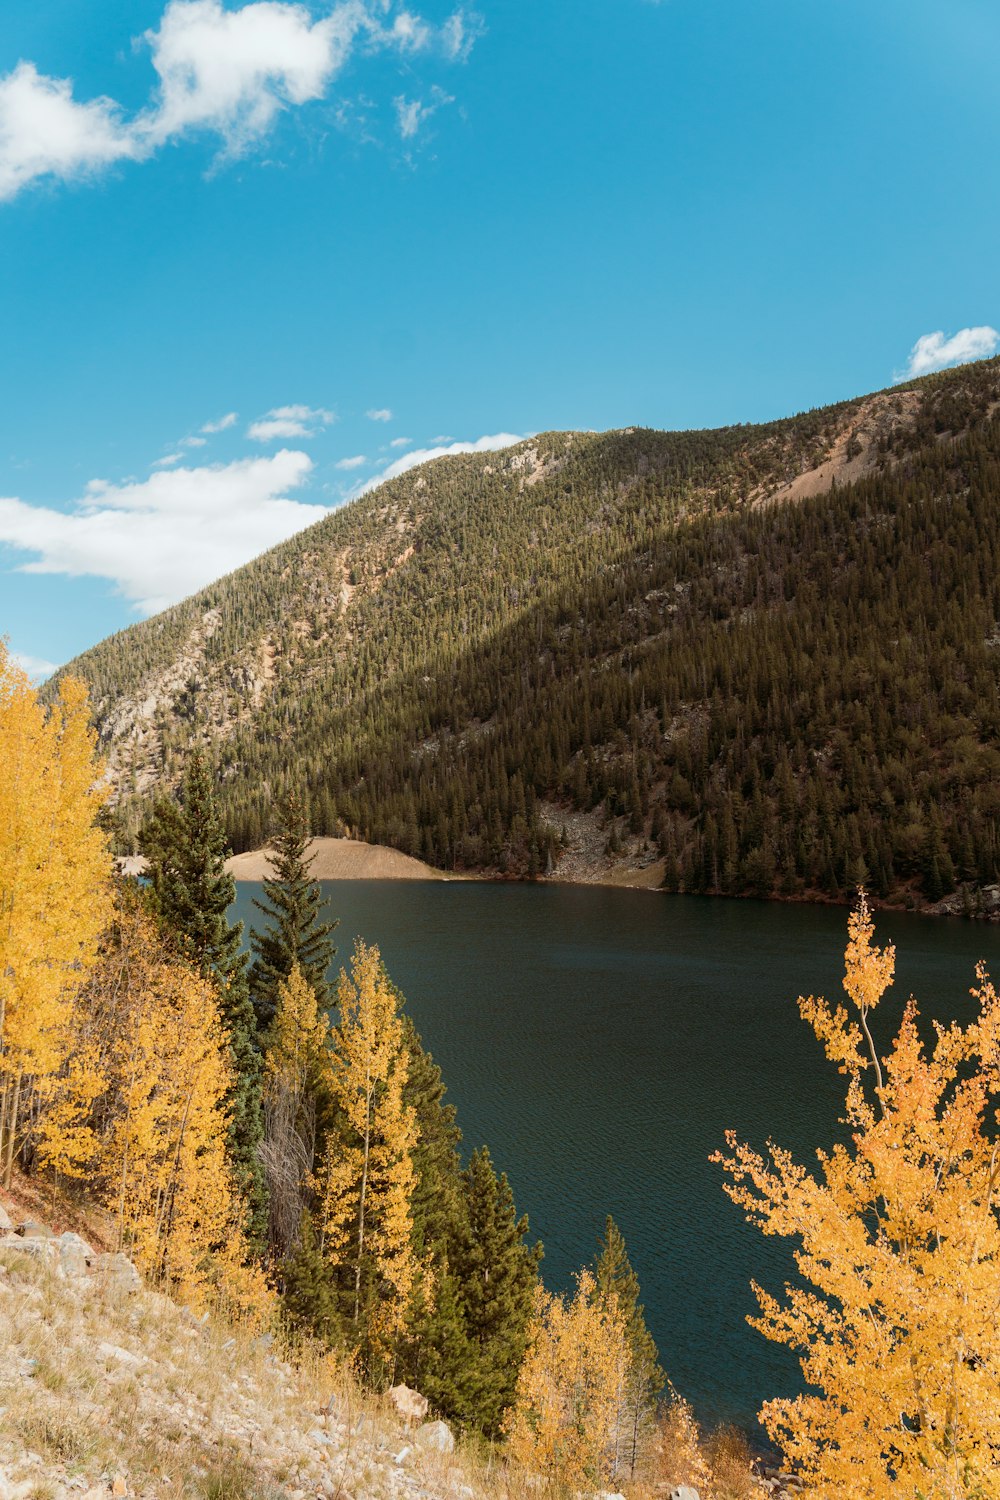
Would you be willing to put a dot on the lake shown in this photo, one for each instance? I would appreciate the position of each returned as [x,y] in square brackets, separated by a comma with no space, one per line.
[600,1041]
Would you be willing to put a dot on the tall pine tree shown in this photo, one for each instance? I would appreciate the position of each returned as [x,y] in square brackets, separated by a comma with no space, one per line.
[295,933]
[191,892]
[616,1283]
[497,1273]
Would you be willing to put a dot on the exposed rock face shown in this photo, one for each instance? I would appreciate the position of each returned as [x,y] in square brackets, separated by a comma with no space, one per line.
[981,902]
[412,1407]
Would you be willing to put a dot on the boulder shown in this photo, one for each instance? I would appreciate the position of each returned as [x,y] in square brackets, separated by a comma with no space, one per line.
[684,1492]
[436,1437]
[75,1255]
[117,1272]
[6,1222]
[412,1407]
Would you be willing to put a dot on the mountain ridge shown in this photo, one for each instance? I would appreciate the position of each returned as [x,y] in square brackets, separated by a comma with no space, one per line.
[374,657]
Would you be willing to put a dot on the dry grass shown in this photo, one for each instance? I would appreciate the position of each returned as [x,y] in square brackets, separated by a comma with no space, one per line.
[96,1384]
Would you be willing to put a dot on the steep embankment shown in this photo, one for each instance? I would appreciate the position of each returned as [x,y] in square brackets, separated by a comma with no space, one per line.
[760,660]
[108,1389]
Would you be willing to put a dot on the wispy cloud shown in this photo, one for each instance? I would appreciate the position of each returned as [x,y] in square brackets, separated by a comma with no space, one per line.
[222,424]
[36,667]
[379,414]
[227,73]
[289,422]
[400,442]
[936,351]
[354,462]
[413,114]
[399,466]
[409,32]
[166,460]
[193,442]
[460,33]
[162,538]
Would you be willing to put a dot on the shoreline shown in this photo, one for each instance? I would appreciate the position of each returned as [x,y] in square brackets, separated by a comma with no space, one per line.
[347,859]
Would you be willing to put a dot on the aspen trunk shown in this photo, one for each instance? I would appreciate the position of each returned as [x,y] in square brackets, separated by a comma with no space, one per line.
[8,1168]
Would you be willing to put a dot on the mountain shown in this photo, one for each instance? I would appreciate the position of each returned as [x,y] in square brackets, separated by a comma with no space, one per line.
[762,659]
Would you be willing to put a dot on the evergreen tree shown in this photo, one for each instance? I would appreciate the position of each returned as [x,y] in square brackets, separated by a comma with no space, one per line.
[497,1273]
[616,1282]
[309,1294]
[191,892]
[437,1194]
[294,933]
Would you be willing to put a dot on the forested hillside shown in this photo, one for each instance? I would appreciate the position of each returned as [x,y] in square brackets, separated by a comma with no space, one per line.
[768,656]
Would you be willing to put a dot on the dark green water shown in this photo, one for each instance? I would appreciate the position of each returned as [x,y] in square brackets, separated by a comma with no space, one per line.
[600,1041]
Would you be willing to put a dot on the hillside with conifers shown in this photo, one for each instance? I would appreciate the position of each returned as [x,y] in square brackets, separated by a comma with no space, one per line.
[759,660]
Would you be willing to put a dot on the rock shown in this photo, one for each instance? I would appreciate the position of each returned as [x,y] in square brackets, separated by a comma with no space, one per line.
[118,1355]
[119,1486]
[6,1227]
[402,1455]
[609,1495]
[117,1272]
[34,1247]
[31,1229]
[75,1255]
[412,1407]
[684,1492]
[437,1437]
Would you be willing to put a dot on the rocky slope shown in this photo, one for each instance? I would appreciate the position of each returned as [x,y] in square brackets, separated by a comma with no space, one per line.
[107,1389]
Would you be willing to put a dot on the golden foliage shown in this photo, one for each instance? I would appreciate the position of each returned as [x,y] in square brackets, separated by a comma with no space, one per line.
[55,869]
[897,1319]
[296,1043]
[566,1421]
[162,1155]
[296,1090]
[367,1176]
[680,1456]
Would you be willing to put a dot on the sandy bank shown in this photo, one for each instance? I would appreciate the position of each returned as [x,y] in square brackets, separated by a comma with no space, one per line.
[341,859]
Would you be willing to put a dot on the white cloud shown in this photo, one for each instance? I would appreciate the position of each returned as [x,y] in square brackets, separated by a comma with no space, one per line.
[424,455]
[167,460]
[229,420]
[228,72]
[400,442]
[36,667]
[351,463]
[289,422]
[193,442]
[162,538]
[413,114]
[936,351]
[379,414]
[232,71]
[45,132]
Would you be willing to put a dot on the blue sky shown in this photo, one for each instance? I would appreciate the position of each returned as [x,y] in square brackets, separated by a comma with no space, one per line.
[343,234]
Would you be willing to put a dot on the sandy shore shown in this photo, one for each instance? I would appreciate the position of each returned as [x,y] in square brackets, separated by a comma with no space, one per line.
[341,859]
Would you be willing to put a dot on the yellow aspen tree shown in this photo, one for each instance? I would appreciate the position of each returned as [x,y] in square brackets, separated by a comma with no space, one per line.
[897,1316]
[367,1177]
[296,1087]
[163,1142]
[565,1422]
[55,870]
